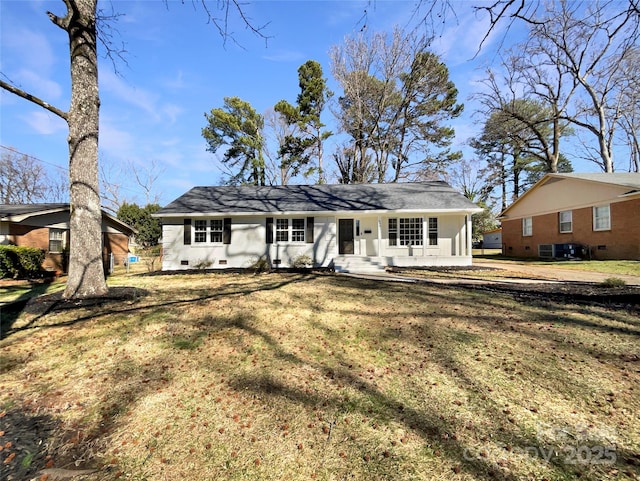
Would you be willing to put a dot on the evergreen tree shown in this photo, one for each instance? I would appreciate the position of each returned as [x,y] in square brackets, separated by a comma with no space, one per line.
[298,151]
[238,127]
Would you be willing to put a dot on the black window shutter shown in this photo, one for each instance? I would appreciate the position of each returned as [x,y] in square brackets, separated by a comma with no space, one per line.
[226,231]
[269,230]
[187,232]
[309,234]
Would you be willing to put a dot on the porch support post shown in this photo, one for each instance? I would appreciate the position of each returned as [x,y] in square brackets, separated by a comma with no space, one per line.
[425,238]
[379,236]
[469,240]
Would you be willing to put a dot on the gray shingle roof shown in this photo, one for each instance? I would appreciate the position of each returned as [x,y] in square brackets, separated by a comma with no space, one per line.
[434,195]
[7,210]
[19,212]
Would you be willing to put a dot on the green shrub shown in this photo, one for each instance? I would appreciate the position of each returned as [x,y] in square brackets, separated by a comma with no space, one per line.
[19,262]
[613,282]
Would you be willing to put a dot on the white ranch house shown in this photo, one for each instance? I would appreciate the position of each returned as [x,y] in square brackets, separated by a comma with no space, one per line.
[351,228]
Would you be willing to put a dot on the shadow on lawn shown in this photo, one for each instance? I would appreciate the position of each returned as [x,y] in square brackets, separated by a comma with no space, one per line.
[10,311]
[438,429]
[435,428]
[25,443]
[102,306]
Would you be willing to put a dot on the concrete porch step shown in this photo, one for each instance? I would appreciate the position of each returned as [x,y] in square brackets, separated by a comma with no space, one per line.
[358,264]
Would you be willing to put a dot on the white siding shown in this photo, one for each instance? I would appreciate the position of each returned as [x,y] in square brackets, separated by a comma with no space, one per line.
[248,244]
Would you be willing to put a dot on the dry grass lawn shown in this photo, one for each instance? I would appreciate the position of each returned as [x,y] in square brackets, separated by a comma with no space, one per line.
[301,377]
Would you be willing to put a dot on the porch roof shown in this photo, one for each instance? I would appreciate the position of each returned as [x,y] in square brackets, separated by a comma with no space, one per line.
[435,196]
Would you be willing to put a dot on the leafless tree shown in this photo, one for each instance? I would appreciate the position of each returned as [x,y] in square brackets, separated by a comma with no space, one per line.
[276,130]
[82,22]
[22,179]
[586,43]
[524,79]
[629,121]
[396,98]
[25,179]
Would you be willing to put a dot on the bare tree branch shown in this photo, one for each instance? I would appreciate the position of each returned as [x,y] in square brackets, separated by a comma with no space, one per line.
[32,98]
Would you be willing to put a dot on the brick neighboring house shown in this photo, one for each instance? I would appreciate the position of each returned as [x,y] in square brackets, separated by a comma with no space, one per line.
[46,226]
[562,215]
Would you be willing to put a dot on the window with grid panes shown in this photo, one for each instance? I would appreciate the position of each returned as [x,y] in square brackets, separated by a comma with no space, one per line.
[433,231]
[393,232]
[216,231]
[200,229]
[282,230]
[297,230]
[410,230]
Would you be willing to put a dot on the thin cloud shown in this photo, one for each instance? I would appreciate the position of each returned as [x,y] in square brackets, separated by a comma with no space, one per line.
[32,48]
[45,123]
[116,142]
[141,99]
[45,88]
[131,95]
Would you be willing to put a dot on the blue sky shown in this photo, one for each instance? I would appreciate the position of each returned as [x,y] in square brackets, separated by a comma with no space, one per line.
[178,68]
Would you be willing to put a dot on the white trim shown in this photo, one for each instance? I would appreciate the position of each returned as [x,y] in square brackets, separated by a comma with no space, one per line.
[593,212]
[570,221]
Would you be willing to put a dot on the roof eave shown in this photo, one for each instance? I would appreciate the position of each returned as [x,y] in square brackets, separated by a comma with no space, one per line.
[468,210]
[26,215]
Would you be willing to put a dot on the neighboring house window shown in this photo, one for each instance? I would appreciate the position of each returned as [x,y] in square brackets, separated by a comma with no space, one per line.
[216,231]
[566,221]
[200,227]
[56,240]
[433,231]
[601,218]
[527,226]
[393,232]
[282,230]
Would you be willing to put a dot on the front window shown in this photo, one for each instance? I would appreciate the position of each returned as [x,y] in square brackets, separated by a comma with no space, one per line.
[433,231]
[407,231]
[527,226]
[411,231]
[208,231]
[290,229]
[566,221]
[56,240]
[297,230]
[393,232]
[216,231]
[282,230]
[601,218]
[200,227]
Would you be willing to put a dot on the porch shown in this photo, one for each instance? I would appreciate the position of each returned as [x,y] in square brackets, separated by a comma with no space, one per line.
[372,264]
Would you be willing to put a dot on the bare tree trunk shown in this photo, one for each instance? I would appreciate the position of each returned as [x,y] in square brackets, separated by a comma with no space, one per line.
[86,271]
